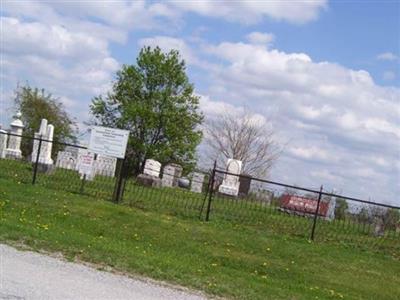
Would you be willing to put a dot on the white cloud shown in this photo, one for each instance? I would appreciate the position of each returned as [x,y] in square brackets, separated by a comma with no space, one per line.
[389,75]
[333,117]
[169,43]
[251,12]
[260,38]
[62,56]
[387,56]
[310,153]
[52,41]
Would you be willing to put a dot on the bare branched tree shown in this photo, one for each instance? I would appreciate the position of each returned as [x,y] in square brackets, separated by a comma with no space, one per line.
[242,136]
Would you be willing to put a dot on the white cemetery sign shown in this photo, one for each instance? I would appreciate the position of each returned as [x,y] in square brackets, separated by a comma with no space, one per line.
[108,141]
[85,164]
[230,184]
[152,168]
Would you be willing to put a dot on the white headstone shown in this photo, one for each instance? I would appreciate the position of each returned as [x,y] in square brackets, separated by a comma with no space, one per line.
[168,176]
[14,143]
[152,168]
[66,160]
[230,184]
[3,143]
[197,182]
[45,133]
[331,209]
[105,165]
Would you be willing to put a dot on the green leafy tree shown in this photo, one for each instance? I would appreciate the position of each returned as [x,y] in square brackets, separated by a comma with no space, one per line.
[155,101]
[341,208]
[36,104]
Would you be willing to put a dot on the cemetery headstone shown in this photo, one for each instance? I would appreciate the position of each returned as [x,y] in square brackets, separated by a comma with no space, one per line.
[105,165]
[152,168]
[244,185]
[168,176]
[45,133]
[230,184]
[197,182]
[151,173]
[66,160]
[178,173]
[331,209]
[265,196]
[3,143]
[14,143]
[183,182]
[379,228]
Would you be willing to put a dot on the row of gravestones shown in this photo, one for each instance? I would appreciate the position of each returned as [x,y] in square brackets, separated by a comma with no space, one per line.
[103,165]
[171,176]
[10,147]
[71,157]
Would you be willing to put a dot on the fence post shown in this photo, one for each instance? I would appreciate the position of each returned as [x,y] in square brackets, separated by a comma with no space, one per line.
[205,196]
[35,167]
[211,192]
[118,184]
[316,213]
[83,181]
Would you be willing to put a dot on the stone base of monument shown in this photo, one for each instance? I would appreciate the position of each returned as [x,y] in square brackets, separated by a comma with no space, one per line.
[148,180]
[11,154]
[45,168]
[228,190]
[184,183]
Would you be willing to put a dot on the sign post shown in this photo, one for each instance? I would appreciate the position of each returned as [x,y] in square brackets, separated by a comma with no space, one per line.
[110,142]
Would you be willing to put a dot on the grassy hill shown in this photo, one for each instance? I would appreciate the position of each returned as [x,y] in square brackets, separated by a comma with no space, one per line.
[222,257]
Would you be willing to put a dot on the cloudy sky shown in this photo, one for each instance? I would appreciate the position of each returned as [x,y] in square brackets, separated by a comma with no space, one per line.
[325,74]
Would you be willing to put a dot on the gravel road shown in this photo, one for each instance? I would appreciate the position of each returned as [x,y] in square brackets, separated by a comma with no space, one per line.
[29,275]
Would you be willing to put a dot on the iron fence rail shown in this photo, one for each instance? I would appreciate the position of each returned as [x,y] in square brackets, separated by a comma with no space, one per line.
[258,207]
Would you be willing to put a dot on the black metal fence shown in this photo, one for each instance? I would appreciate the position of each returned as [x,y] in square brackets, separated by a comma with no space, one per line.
[218,196]
[308,213]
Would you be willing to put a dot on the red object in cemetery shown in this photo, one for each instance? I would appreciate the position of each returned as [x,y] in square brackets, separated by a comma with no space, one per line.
[302,205]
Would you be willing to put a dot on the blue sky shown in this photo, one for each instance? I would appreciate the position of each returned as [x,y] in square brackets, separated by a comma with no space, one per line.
[324,74]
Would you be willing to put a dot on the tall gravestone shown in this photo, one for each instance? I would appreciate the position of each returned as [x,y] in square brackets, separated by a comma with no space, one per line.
[3,143]
[14,143]
[197,182]
[45,133]
[230,184]
[331,209]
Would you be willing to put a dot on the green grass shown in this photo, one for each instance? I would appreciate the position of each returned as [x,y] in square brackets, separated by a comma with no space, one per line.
[220,257]
[186,204]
